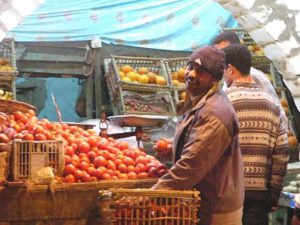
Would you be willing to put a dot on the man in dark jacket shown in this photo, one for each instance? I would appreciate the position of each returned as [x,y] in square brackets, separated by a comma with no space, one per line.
[206,151]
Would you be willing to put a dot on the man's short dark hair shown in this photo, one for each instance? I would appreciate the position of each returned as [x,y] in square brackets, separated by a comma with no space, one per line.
[229,36]
[239,56]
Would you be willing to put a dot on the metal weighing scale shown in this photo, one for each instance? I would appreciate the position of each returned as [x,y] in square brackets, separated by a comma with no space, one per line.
[134,121]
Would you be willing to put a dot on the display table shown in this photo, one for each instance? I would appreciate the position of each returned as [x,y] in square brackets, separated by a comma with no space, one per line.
[62,204]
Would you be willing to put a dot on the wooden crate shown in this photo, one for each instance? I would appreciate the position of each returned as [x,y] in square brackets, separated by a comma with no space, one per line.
[8,83]
[260,62]
[144,103]
[151,207]
[29,156]
[7,51]
[155,65]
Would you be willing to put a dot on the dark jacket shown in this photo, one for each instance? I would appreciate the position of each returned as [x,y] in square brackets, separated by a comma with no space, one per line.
[207,156]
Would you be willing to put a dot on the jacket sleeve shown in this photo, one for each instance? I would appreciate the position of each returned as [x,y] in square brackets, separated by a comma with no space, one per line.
[280,158]
[206,143]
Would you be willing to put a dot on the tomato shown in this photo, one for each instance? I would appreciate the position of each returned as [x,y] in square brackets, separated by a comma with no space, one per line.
[123,145]
[153,172]
[68,159]
[78,174]
[162,167]
[100,161]
[69,169]
[28,137]
[85,177]
[111,172]
[31,112]
[75,160]
[118,161]
[74,146]
[130,168]
[92,155]
[123,176]
[69,151]
[140,167]
[128,161]
[18,115]
[40,137]
[161,145]
[84,147]
[106,176]
[93,140]
[112,156]
[69,178]
[130,153]
[132,175]
[91,170]
[141,159]
[142,175]
[123,168]
[111,165]
[99,172]
[102,144]
[85,159]
[83,165]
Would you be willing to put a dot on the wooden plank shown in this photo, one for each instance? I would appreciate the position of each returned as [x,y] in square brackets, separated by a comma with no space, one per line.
[89,97]
[55,55]
[53,68]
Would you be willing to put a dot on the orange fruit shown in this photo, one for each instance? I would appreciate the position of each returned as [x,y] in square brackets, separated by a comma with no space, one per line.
[143,79]
[181,73]
[143,70]
[132,75]
[160,80]
[151,77]
[126,69]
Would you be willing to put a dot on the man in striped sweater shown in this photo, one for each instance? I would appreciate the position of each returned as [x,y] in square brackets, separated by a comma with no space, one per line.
[262,136]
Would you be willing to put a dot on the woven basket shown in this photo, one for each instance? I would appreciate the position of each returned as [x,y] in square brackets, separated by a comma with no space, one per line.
[11,106]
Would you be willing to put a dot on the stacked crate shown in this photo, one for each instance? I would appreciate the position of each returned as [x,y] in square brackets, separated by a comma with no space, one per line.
[259,60]
[136,93]
[176,71]
[8,71]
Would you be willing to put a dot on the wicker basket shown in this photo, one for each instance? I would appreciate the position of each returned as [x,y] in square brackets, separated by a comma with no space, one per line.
[11,106]
[155,65]
[144,206]
[29,156]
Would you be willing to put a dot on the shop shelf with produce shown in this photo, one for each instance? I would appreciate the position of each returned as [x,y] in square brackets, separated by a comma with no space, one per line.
[144,206]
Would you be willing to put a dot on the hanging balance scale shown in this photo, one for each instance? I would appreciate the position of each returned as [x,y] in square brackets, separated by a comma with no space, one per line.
[137,122]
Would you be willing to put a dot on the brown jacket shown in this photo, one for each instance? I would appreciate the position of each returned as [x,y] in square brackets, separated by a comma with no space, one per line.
[207,156]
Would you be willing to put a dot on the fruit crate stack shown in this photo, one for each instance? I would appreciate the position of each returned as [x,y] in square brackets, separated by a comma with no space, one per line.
[8,71]
[176,70]
[151,207]
[139,85]
[30,156]
[259,60]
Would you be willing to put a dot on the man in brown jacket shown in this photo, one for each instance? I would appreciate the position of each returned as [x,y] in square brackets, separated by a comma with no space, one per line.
[206,151]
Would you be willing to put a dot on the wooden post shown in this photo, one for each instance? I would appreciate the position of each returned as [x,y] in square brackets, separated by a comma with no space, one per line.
[98,83]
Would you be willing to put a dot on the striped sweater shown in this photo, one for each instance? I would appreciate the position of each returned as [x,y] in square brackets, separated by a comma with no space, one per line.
[262,136]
